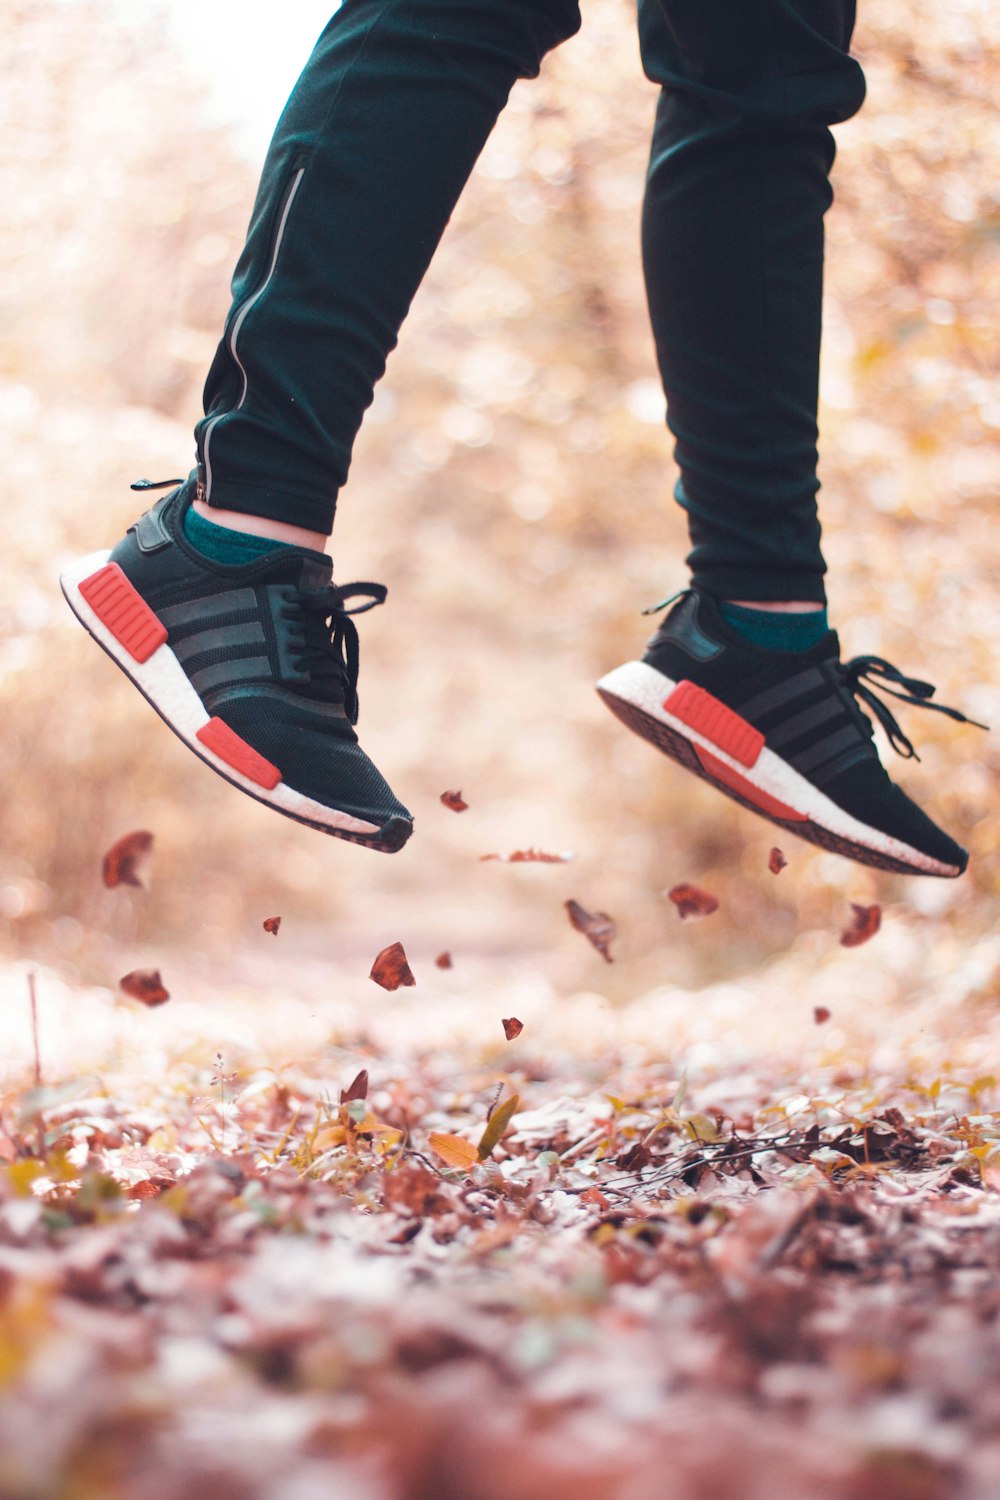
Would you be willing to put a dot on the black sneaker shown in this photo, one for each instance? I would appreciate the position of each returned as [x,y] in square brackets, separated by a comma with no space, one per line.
[782,733]
[254,667]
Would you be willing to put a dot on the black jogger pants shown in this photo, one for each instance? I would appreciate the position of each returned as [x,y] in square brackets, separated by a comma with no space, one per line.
[367,161]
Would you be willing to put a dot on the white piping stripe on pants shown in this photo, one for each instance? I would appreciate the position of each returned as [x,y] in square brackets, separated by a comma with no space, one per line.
[238,324]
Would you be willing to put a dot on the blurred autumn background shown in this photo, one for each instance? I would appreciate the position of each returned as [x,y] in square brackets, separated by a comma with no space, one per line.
[512,486]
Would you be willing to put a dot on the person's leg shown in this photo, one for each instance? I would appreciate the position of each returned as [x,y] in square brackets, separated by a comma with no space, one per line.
[246,648]
[733,253]
[366,165]
[743,682]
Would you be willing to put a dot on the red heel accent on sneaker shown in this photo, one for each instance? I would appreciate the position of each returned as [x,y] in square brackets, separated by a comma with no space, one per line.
[706,715]
[719,771]
[224,742]
[120,607]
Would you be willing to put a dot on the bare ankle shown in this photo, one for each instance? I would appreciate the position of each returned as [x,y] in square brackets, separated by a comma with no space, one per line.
[778,607]
[278,531]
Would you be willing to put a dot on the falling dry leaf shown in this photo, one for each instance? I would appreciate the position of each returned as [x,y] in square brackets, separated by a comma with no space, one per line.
[443,960]
[145,985]
[530,857]
[691,901]
[127,861]
[597,926]
[455,801]
[356,1089]
[454,1150]
[390,968]
[271,925]
[865,922]
[776,861]
[820,1014]
[512,1027]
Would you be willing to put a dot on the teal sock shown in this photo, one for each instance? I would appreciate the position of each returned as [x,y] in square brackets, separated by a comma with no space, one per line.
[223,545]
[774,630]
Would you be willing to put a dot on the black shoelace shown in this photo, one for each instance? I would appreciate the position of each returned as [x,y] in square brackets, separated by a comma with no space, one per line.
[877,669]
[330,647]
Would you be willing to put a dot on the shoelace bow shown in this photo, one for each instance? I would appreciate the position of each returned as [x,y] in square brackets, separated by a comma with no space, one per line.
[877,669]
[329,630]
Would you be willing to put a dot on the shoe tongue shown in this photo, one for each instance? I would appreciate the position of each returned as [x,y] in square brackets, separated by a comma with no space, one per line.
[306,570]
[829,647]
[316,571]
[328,675]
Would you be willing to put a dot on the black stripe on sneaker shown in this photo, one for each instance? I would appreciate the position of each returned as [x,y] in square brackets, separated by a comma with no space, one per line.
[197,611]
[809,681]
[223,673]
[831,768]
[222,637]
[819,713]
[808,761]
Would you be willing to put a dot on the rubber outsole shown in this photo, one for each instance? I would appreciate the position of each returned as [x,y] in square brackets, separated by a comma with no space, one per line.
[387,838]
[707,762]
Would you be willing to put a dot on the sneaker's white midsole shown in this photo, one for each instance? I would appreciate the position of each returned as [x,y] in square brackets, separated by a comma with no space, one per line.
[645,688]
[164,682]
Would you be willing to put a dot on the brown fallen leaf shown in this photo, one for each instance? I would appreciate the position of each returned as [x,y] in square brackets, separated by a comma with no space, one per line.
[529,857]
[635,1158]
[594,1198]
[455,801]
[356,1089]
[597,927]
[512,1027]
[820,1014]
[776,861]
[443,960]
[865,922]
[127,861]
[145,985]
[691,901]
[454,1150]
[414,1190]
[145,1189]
[390,968]
[408,1232]
[271,925]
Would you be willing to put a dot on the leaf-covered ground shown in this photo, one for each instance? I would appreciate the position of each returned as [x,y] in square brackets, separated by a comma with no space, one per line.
[720,1250]
[737,1237]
